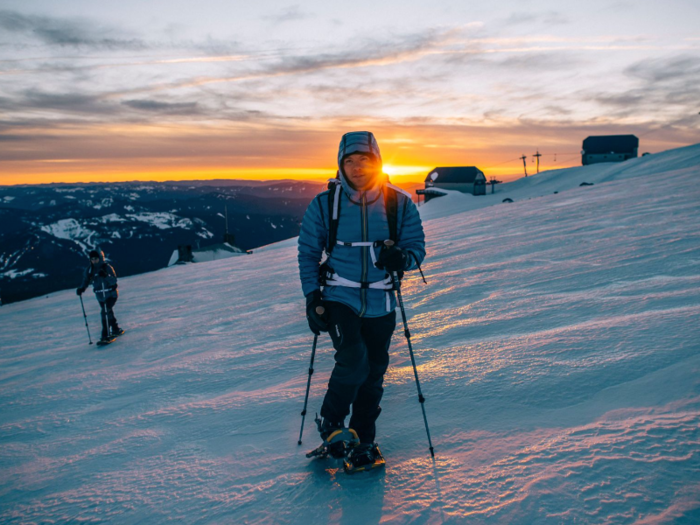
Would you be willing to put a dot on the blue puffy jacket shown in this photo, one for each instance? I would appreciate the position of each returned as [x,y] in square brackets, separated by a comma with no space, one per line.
[362,219]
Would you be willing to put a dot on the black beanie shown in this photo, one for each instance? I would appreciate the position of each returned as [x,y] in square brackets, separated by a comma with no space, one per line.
[94,253]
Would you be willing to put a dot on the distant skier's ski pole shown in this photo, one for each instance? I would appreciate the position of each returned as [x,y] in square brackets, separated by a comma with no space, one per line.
[319,310]
[85,317]
[421,399]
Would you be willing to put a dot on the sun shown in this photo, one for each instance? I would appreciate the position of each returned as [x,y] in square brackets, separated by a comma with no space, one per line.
[390,170]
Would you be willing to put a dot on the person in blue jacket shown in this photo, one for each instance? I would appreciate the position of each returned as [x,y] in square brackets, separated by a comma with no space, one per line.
[354,285]
[104,284]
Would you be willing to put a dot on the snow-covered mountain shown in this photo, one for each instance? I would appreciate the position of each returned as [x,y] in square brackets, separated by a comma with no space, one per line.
[557,344]
[46,231]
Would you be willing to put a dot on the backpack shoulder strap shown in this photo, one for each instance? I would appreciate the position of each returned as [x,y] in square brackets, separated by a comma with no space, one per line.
[391,205]
[335,189]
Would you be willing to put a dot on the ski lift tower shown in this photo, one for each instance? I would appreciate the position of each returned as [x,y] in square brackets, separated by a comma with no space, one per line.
[493,182]
[537,156]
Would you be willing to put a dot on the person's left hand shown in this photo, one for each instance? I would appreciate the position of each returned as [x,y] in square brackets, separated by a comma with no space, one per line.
[315,313]
[392,259]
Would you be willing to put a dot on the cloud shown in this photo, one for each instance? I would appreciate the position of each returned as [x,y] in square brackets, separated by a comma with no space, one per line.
[669,84]
[535,61]
[390,75]
[288,14]
[371,52]
[18,138]
[628,100]
[64,32]
[81,104]
[519,18]
[553,109]
[666,70]
[550,18]
[32,99]
[178,108]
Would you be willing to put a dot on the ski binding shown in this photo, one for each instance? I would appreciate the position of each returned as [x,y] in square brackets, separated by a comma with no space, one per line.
[377,462]
[337,444]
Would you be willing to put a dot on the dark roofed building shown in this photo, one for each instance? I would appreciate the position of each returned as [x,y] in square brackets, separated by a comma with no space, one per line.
[609,148]
[213,252]
[467,179]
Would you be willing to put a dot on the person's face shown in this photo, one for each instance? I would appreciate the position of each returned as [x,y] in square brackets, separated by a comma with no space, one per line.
[361,170]
[94,260]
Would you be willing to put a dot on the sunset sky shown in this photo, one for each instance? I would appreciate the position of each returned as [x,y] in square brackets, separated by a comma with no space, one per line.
[176,89]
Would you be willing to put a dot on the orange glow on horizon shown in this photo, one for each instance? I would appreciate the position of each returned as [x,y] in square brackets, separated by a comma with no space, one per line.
[118,153]
[166,174]
[72,173]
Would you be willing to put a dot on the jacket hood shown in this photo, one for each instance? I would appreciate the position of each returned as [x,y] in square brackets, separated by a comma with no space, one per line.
[99,253]
[359,142]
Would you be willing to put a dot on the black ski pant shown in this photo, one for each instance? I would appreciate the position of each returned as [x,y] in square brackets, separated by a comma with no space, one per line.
[361,359]
[108,318]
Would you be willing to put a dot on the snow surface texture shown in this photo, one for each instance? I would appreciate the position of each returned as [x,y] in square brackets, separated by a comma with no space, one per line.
[558,347]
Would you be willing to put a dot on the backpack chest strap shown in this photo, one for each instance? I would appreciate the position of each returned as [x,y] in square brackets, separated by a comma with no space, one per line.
[364,244]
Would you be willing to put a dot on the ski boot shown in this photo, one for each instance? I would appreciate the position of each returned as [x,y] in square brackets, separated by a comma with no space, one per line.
[116,332]
[337,440]
[365,456]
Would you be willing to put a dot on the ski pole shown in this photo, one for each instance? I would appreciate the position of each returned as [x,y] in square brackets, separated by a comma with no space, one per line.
[421,399]
[85,317]
[320,311]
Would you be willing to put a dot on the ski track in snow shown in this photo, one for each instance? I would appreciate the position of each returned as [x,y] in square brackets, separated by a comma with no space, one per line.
[557,345]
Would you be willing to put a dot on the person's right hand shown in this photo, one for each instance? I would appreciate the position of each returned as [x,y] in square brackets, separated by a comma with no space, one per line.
[316,313]
[79,291]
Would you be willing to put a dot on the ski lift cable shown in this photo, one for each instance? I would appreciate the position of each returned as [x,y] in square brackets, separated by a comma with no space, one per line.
[502,163]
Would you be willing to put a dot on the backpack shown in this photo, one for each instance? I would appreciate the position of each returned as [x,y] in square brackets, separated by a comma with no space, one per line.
[390,205]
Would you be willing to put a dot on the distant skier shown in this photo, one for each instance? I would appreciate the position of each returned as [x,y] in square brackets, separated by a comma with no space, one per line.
[104,284]
[350,222]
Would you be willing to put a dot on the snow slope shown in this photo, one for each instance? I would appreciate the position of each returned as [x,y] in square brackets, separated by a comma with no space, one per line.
[558,349]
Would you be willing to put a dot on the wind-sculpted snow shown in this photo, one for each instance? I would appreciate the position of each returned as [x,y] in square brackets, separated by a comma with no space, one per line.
[556,342]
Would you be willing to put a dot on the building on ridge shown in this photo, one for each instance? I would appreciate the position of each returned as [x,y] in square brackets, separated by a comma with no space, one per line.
[466,179]
[609,148]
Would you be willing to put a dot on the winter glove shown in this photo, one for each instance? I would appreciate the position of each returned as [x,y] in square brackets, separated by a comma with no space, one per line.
[102,273]
[392,259]
[80,291]
[318,322]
